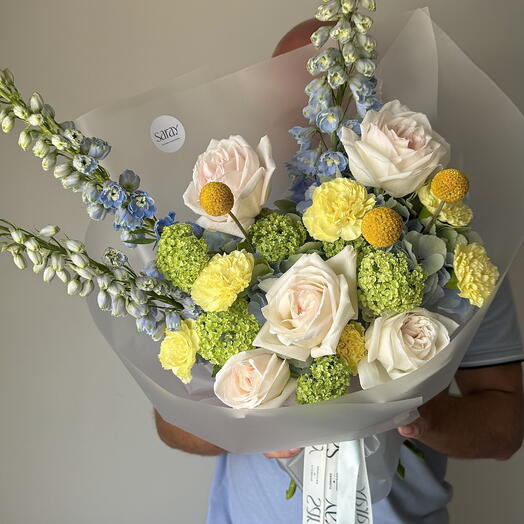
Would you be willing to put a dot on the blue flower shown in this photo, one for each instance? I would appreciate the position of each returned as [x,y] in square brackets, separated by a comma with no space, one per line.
[115,258]
[308,198]
[362,87]
[124,220]
[112,195]
[315,85]
[370,104]
[329,119]
[337,77]
[354,125]
[147,324]
[85,164]
[169,220]
[303,136]
[90,193]
[299,185]
[141,205]
[95,147]
[173,321]
[129,180]
[332,162]
[304,162]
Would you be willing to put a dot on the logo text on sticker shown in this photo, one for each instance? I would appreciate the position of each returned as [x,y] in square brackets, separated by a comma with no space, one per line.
[167,133]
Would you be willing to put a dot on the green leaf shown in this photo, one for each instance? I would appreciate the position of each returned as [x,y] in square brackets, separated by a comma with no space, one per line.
[216,369]
[286,205]
[291,489]
[453,281]
[425,213]
[141,241]
[401,471]
[311,247]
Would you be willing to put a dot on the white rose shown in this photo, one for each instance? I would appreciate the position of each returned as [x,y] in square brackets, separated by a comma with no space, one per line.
[255,378]
[247,173]
[397,151]
[309,305]
[400,343]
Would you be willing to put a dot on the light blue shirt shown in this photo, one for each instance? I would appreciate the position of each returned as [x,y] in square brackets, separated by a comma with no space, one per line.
[250,489]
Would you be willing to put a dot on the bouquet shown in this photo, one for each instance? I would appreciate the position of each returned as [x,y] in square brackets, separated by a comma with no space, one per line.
[354,295]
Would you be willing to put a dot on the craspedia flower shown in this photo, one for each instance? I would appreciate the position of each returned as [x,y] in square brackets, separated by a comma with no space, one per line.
[226,333]
[387,284]
[328,377]
[216,199]
[219,283]
[450,185]
[456,214]
[382,226]
[476,275]
[178,350]
[352,345]
[181,255]
[337,210]
[277,236]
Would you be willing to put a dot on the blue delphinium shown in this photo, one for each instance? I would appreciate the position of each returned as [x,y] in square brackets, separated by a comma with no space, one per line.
[112,195]
[328,120]
[173,321]
[331,163]
[141,205]
[354,125]
[303,136]
[299,185]
[124,220]
[96,211]
[129,180]
[85,164]
[304,162]
[95,148]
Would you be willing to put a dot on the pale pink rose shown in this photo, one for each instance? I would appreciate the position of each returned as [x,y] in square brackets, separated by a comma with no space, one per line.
[309,305]
[398,150]
[247,173]
[254,379]
[400,343]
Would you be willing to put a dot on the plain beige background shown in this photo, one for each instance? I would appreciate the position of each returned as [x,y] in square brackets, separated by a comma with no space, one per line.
[77,443]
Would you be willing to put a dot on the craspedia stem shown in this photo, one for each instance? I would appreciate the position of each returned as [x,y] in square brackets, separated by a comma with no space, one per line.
[429,225]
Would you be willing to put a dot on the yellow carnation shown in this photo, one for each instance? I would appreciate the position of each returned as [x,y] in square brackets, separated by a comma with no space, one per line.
[476,275]
[337,210]
[351,346]
[178,350]
[219,283]
[456,214]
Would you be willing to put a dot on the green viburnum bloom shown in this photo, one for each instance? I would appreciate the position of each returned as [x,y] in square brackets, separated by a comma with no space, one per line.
[360,244]
[277,236]
[226,333]
[387,284]
[328,377]
[181,255]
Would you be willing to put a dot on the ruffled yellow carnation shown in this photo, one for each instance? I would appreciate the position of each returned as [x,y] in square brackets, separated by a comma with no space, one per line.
[178,350]
[456,214]
[450,185]
[337,210]
[382,226]
[476,275]
[351,346]
[219,283]
[216,199]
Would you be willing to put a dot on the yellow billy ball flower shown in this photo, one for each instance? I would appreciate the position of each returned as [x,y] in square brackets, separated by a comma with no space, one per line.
[220,282]
[337,210]
[382,226]
[476,275]
[456,214]
[352,346]
[178,350]
[216,199]
[450,185]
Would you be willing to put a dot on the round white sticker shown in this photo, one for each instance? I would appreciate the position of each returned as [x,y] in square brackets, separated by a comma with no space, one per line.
[167,133]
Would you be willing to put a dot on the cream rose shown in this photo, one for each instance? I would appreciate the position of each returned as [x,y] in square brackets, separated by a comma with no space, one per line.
[247,173]
[254,379]
[397,151]
[400,343]
[309,305]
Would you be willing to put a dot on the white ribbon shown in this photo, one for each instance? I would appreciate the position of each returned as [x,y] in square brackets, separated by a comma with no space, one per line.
[330,498]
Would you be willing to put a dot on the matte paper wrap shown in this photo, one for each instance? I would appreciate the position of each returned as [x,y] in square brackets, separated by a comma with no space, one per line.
[426,71]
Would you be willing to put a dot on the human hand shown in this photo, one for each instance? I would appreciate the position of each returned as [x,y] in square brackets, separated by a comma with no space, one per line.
[284,453]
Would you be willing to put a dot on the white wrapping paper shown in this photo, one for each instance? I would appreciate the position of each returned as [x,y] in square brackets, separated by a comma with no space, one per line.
[427,72]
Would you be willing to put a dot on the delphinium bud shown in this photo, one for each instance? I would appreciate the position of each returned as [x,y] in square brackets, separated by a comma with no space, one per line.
[24,139]
[320,36]
[36,103]
[74,286]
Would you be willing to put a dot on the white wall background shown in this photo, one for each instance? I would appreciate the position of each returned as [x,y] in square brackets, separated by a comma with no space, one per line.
[77,441]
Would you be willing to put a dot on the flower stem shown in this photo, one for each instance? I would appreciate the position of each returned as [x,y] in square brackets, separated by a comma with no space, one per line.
[429,225]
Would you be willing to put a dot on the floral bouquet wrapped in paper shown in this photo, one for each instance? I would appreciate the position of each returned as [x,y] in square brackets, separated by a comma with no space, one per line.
[360,288]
